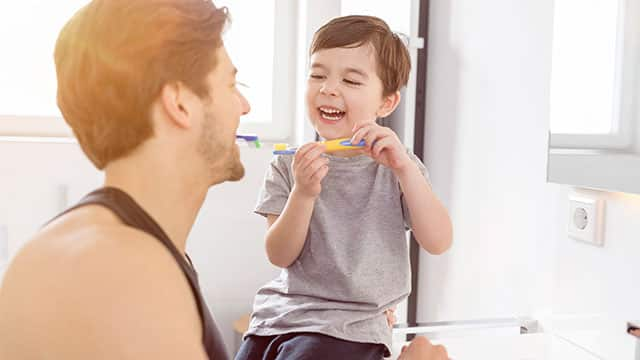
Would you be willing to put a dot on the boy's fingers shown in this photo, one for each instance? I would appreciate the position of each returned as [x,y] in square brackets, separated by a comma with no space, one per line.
[359,135]
[307,153]
[314,166]
[315,152]
[361,131]
[304,149]
[380,145]
[313,156]
[371,139]
[320,173]
[362,124]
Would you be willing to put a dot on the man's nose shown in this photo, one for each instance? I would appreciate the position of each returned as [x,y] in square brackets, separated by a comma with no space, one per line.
[246,107]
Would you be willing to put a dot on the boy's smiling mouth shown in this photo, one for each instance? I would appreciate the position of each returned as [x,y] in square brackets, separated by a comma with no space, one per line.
[331,114]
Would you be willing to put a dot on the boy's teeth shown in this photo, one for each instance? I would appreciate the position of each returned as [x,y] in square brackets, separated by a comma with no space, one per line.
[330,111]
[332,118]
[335,117]
[331,114]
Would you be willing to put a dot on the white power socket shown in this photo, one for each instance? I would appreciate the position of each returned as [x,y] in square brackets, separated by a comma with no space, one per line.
[586,218]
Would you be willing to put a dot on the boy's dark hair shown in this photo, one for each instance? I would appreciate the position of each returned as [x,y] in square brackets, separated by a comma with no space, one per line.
[392,56]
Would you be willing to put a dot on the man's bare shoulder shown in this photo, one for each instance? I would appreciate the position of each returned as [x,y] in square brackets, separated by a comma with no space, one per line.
[89,277]
[88,241]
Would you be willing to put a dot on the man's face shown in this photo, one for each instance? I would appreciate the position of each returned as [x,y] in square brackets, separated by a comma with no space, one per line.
[343,89]
[220,118]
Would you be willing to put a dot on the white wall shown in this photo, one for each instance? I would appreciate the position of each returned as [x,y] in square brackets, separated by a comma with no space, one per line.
[486,134]
[486,143]
[226,243]
[596,289]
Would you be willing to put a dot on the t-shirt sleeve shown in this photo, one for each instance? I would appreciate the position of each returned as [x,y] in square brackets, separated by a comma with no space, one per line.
[275,189]
[425,173]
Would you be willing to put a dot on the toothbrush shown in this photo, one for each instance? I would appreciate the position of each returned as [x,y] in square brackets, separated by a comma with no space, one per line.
[249,138]
[331,146]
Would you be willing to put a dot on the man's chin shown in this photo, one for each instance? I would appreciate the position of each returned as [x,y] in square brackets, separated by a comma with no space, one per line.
[237,172]
[233,170]
[237,169]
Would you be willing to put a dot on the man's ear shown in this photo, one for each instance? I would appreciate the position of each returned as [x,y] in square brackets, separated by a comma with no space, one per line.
[389,104]
[173,98]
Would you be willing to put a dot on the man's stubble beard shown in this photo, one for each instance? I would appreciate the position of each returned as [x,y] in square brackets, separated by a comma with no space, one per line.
[223,159]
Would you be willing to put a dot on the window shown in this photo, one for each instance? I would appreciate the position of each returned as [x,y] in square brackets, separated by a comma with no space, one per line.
[592,75]
[594,95]
[28,31]
[259,41]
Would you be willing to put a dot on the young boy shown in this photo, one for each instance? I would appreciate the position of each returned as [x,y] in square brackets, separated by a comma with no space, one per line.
[337,221]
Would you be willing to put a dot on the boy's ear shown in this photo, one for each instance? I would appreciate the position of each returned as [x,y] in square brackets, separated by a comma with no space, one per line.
[174,99]
[389,104]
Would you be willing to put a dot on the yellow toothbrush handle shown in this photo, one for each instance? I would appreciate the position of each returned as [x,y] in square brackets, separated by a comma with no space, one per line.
[341,144]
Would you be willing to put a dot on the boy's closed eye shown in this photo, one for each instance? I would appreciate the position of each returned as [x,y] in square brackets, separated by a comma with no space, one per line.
[316,76]
[352,82]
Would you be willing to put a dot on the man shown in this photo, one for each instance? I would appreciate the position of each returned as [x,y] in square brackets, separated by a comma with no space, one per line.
[150,93]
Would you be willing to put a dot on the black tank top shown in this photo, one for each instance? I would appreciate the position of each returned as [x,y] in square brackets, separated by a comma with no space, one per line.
[121,204]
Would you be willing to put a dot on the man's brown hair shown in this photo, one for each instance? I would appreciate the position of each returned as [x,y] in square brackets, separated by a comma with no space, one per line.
[113,58]
[391,53]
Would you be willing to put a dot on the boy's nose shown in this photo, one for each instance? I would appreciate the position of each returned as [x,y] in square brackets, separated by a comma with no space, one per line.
[329,88]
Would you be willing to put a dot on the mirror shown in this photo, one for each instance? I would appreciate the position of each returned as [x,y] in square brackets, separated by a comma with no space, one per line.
[594,126]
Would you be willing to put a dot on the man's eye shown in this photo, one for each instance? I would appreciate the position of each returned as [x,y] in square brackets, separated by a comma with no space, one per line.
[351,82]
[240,84]
[317,77]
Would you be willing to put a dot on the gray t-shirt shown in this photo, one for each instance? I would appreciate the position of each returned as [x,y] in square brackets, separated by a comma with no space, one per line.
[355,261]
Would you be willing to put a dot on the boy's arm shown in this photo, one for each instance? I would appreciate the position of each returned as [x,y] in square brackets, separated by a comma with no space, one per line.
[430,220]
[288,231]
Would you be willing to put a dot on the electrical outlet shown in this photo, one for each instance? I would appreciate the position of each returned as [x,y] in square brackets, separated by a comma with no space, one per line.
[586,218]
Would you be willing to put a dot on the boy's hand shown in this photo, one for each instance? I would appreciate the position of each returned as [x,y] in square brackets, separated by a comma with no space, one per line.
[391,316]
[382,144]
[309,168]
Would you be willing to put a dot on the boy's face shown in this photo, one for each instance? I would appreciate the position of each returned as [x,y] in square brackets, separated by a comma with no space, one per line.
[343,89]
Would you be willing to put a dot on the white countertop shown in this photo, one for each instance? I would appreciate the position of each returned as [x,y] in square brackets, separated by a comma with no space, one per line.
[538,346]
[575,337]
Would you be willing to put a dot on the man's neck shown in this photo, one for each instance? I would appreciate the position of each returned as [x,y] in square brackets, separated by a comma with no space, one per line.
[169,196]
